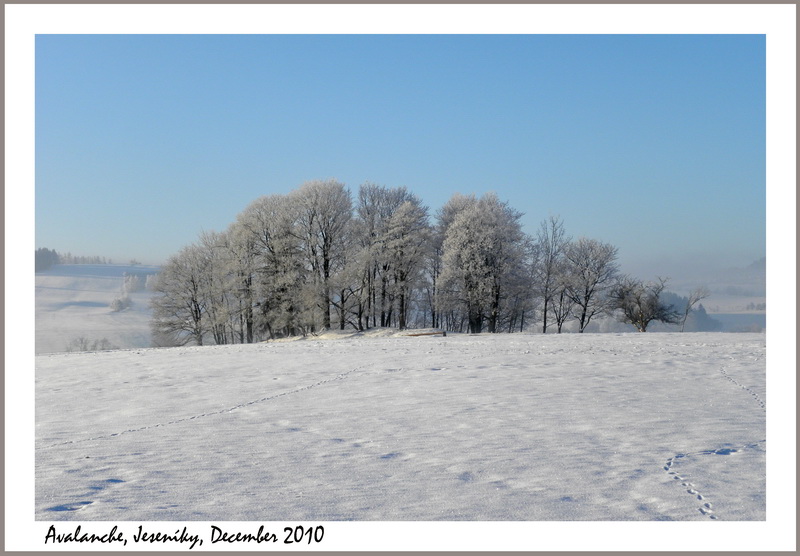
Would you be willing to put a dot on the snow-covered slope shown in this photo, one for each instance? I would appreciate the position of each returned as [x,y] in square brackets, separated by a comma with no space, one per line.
[72,302]
[505,427]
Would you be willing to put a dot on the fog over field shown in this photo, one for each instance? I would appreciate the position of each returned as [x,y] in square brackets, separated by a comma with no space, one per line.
[73,302]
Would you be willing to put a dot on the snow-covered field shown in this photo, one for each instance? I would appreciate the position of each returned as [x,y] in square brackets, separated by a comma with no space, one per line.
[72,302]
[501,427]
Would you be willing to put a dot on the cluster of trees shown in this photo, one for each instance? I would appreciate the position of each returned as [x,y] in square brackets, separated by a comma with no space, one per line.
[299,263]
[131,283]
[45,258]
[82,343]
[320,258]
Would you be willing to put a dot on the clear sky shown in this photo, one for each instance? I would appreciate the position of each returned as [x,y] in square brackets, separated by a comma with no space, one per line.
[654,143]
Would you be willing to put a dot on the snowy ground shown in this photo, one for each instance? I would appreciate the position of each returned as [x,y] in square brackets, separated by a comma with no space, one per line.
[72,301]
[506,427]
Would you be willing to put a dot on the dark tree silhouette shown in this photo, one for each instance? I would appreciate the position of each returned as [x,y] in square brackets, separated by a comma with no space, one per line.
[640,304]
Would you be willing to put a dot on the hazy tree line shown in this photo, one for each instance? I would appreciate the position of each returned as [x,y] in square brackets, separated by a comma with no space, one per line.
[320,258]
[46,258]
[69,258]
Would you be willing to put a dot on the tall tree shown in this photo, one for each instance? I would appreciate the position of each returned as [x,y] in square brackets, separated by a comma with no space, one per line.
[592,267]
[217,284]
[483,247]
[266,231]
[323,210]
[551,241]
[392,235]
[407,235]
[562,303]
[447,307]
[180,304]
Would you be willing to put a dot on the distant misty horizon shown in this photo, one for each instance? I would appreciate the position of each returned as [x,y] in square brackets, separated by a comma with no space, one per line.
[688,265]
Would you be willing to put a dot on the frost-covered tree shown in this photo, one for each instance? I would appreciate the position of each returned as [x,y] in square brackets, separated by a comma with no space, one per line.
[149,281]
[482,251]
[406,243]
[132,283]
[591,269]
[266,231]
[347,282]
[639,303]
[392,233]
[120,303]
[293,264]
[375,205]
[219,285]
[235,273]
[323,210]
[443,307]
[180,304]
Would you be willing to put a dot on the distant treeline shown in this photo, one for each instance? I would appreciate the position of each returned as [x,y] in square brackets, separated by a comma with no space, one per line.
[46,258]
[69,258]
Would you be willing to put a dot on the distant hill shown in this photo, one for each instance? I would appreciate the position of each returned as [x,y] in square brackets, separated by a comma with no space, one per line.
[74,307]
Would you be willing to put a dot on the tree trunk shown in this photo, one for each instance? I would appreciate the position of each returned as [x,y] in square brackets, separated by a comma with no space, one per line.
[544,317]
[401,319]
[494,312]
[475,321]
[341,310]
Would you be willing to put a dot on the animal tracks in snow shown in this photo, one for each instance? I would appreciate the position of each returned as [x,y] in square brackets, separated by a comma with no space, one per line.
[755,396]
[705,507]
[340,376]
[149,370]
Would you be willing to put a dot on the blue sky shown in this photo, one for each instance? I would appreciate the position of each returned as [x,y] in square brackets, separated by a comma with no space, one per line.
[654,143]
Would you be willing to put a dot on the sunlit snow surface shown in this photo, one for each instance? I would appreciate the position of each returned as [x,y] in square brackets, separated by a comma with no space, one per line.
[488,427]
